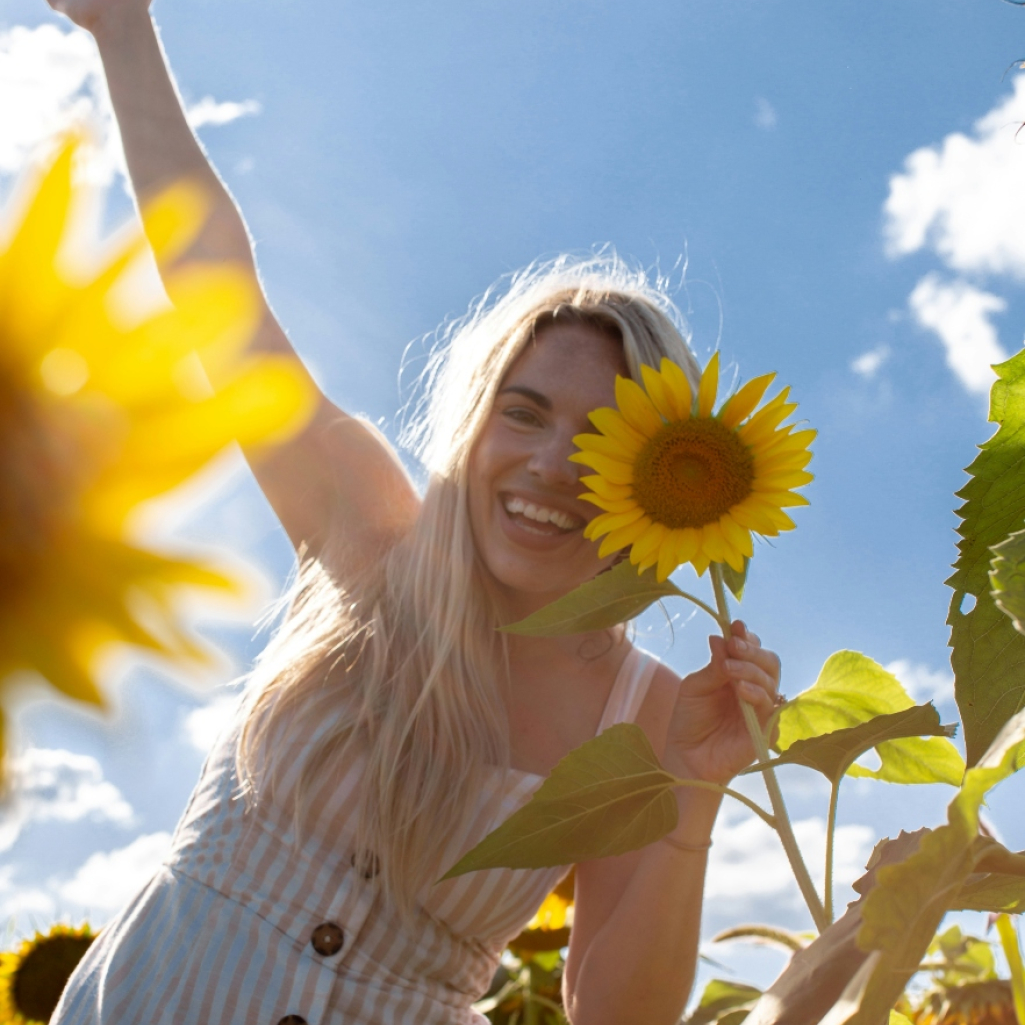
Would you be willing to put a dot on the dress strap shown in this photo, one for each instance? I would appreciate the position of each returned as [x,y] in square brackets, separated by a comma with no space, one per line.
[629,689]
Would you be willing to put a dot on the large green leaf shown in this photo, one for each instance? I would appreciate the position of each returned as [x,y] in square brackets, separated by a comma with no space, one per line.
[1007,578]
[992,892]
[735,581]
[612,597]
[902,912]
[988,654]
[834,753]
[607,797]
[720,996]
[851,690]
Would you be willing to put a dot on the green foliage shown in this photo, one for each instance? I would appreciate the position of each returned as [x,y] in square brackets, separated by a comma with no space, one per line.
[607,797]
[834,753]
[851,690]
[993,892]
[1007,578]
[735,581]
[612,597]
[902,912]
[720,997]
[988,654]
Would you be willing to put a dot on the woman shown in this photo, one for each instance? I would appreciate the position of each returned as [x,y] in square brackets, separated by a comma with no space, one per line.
[389,726]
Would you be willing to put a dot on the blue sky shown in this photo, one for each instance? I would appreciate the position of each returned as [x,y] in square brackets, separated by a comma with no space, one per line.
[841,183]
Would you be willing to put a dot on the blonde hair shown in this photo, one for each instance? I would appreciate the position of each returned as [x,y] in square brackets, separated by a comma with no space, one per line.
[408,658]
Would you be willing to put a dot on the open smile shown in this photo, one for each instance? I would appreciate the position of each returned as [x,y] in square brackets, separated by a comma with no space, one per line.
[540,520]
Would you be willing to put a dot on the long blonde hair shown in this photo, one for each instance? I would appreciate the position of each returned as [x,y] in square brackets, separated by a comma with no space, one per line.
[408,657]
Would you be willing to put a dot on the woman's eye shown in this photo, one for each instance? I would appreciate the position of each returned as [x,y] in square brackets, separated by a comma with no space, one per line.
[522,416]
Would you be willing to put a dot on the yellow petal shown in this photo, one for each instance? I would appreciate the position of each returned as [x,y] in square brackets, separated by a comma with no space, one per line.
[782,480]
[173,219]
[700,563]
[605,488]
[680,391]
[611,522]
[712,542]
[611,447]
[765,465]
[738,406]
[648,543]
[608,505]
[782,499]
[736,535]
[610,422]
[708,387]
[636,408]
[612,469]
[689,543]
[666,562]
[624,536]
[754,517]
[658,392]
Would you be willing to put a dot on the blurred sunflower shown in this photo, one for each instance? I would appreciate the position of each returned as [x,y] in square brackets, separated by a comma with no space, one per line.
[549,929]
[679,483]
[33,977]
[103,407]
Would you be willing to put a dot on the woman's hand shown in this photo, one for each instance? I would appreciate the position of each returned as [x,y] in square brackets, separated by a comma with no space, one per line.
[89,14]
[707,736]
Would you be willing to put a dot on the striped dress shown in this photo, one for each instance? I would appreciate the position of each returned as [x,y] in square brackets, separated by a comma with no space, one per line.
[242,926]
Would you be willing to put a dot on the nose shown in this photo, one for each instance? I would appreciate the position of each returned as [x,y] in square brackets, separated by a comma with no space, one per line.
[550,462]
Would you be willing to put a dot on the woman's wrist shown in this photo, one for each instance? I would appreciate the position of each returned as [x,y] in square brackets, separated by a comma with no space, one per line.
[116,24]
[696,815]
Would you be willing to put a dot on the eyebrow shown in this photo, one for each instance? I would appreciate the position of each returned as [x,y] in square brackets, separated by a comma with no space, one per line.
[535,396]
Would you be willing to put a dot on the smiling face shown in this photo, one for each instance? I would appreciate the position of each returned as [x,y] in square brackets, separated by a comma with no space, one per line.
[526,517]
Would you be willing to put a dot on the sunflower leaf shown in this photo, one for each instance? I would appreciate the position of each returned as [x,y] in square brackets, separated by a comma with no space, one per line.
[992,892]
[1007,578]
[852,690]
[833,754]
[611,597]
[736,581]
[988,654]
[720,996]
[607,797]
[902,912]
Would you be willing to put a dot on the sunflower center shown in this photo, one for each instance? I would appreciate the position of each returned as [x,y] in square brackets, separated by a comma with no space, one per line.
[41,976]
[691,472]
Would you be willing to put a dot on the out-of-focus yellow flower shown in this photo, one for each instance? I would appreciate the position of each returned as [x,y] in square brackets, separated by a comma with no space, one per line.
[680,484]
[103,407]
[33,977]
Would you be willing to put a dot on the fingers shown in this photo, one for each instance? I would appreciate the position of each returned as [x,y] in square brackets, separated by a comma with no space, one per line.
[754,670]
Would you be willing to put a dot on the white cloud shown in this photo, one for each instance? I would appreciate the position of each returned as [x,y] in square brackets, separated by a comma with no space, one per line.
[959,314]
[51,79]
[57,785]
[765,114]
[203,725]
[964,198]
[868,363]
[209,112]
[921,682]
[109,879]
[748,862]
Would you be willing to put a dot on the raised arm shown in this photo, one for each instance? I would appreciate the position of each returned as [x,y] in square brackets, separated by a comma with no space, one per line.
[339,474]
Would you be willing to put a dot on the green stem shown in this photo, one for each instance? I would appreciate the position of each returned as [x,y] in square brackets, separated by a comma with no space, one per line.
[779,808]
[834,795]
[697,601]
[701,784]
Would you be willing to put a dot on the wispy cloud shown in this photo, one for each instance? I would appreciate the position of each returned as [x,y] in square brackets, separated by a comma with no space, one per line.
[765,116]
[748,863]
[963,201]
[203,725]
[959,314]
[52,79]
[868,363]
[921,682]
[109,879]
[57,785]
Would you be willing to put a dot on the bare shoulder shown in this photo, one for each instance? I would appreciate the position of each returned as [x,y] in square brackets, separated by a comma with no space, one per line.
[655,711]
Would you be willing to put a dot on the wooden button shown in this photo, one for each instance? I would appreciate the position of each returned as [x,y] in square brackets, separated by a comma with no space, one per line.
[327,939]
[371,865]
[292,1019]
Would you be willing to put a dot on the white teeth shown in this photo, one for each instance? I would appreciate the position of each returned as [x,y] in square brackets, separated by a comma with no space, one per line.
[541,513]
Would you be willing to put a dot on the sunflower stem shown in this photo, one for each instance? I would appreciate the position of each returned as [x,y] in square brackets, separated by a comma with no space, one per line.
[834,795]
[779,808]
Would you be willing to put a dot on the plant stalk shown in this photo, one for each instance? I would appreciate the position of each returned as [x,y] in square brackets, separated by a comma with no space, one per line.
[779,808]
[834,795]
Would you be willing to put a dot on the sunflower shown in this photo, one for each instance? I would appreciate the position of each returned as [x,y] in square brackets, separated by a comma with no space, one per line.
[549,929]
[102,407]
[33,977]
[679,483]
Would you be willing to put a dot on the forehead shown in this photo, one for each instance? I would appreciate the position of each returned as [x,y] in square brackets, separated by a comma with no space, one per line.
[570,362]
